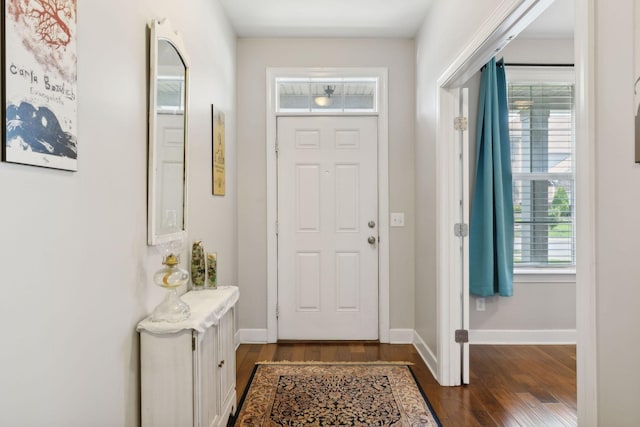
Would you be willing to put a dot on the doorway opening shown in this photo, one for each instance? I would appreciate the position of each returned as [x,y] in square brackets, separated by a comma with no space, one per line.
[349,94]
[510,20]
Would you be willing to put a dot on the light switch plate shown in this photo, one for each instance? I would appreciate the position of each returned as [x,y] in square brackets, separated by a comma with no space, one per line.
[397,219]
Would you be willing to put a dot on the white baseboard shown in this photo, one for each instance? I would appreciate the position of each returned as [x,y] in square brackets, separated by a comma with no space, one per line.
[252,336]
[522,337]
[401,336]
[259,336]
[427,355]
[476,336]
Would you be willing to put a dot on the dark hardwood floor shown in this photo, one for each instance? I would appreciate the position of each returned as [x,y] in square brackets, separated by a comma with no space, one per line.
[510,385]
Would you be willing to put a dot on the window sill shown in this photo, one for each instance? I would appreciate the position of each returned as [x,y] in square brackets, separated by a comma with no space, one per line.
[544,275]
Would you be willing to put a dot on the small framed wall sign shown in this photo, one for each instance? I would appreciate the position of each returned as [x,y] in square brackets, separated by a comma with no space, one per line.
[40,83]
[218,152]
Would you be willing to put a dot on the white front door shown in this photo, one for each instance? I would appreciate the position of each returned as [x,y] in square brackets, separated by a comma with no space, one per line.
[327,228]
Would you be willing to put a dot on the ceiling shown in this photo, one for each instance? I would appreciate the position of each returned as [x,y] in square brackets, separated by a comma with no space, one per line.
[362,18]
[555,22]
[326,18]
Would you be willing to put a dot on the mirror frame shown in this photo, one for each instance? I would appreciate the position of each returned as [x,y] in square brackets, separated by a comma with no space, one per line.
[162,30]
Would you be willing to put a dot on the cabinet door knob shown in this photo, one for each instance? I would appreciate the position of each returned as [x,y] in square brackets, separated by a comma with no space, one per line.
[220,364]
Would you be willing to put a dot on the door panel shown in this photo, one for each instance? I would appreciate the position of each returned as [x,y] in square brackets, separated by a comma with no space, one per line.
[327,195]
[308,197]
[348,281]
[307,284]
[347,203]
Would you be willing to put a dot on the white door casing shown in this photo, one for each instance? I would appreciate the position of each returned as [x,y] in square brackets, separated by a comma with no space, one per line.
[506,21]
[463,185]
[493,34]
[381,74]
[327,228]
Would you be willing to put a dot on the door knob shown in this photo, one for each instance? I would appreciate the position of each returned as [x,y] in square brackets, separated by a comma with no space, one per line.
[371,240]
[372,224]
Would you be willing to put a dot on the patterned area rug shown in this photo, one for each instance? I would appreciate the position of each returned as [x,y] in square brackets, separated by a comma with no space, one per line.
[334,394]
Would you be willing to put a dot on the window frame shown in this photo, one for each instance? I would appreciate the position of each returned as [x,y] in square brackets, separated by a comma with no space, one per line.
[335,80]
[547,74]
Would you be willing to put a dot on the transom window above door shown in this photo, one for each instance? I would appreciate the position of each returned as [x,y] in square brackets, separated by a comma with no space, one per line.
[327,95]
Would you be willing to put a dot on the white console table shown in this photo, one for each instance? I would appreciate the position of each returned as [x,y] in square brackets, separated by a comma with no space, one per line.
[188,369]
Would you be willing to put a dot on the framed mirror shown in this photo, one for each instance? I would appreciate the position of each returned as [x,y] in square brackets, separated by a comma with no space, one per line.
[168,136]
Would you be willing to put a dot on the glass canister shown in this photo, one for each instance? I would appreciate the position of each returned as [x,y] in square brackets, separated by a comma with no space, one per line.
[198,265]
[212,270]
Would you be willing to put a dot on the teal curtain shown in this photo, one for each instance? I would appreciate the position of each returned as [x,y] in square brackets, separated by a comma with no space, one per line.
[491,230]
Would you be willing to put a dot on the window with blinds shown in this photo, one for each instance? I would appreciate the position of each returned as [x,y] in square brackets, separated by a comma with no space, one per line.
[541,127]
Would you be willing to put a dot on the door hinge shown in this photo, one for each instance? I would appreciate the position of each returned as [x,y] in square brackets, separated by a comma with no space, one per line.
[460,124]
[277,311]
[277,148]
[193,343]
[461,230]
[277,228]
[462,336]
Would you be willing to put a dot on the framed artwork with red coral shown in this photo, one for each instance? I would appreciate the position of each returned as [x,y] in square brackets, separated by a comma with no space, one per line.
[39,83]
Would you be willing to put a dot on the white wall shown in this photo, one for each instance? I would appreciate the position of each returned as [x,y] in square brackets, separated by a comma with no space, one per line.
[538,51]
[444,34]
[617,226]
[540,302]
[76,270]
[254,57]
[537,304]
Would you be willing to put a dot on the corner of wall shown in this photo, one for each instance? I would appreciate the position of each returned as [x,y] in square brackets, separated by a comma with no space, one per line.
[426,354]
